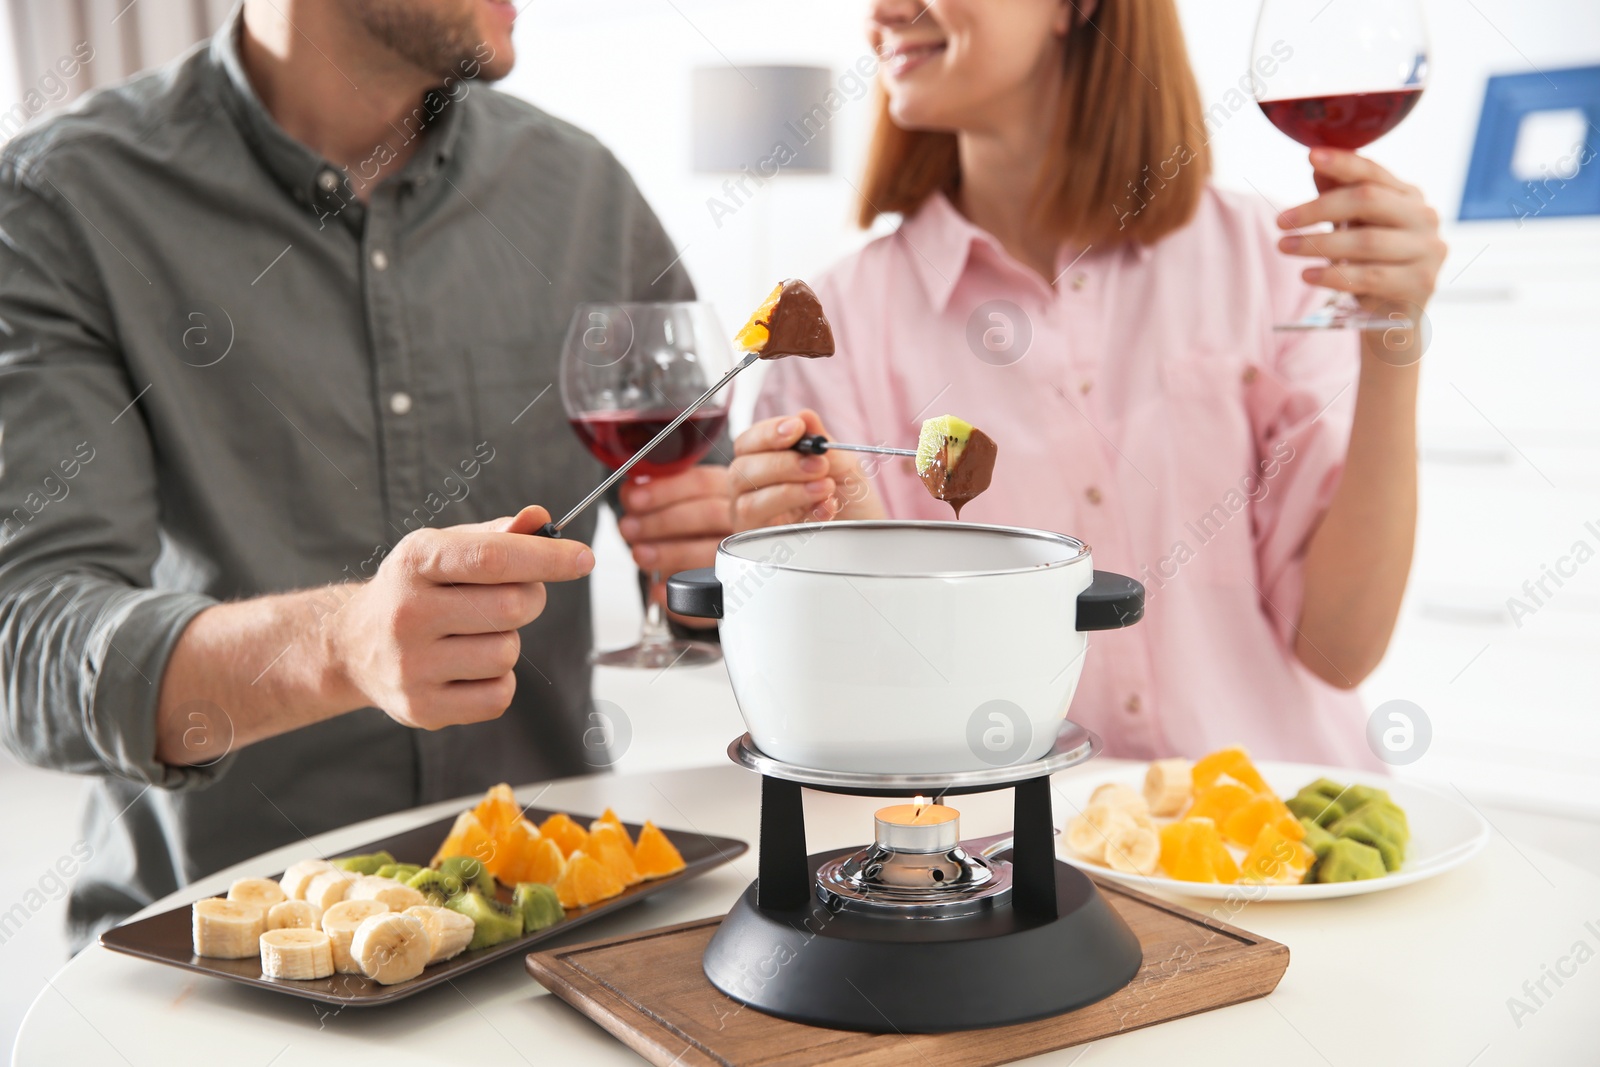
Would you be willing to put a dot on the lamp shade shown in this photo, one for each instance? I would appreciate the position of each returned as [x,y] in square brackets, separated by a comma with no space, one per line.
[766,119]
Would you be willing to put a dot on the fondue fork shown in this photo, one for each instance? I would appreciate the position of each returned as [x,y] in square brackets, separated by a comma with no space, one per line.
[816,444]
[553,529]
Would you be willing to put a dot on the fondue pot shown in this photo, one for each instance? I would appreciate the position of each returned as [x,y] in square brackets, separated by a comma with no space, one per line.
[905,647]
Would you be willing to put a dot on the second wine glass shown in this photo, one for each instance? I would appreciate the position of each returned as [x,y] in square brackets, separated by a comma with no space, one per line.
[1339,75]
[627,370]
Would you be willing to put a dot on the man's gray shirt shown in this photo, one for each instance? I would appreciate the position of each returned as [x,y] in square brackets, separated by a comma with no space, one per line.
[221,376]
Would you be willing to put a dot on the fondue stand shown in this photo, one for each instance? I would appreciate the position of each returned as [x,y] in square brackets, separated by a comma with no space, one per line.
[919,932]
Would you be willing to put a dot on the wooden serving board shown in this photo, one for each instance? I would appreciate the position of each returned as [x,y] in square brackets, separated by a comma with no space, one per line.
[648,990]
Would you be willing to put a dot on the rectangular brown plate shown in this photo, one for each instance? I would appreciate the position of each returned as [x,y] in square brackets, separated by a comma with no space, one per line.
[168,937]
[648,990]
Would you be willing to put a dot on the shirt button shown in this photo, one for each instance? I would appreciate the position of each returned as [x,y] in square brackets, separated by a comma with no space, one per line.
[1079,280]
[1249,375]
[1133,704]
[327,181]
[1085,387]
[380,261]
[400,403]
[1094,495]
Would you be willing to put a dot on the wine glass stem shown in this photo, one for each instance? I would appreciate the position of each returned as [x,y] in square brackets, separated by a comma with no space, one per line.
[655,630]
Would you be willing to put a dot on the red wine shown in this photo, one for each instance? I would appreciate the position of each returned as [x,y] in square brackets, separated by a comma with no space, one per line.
[1346,120]
[614,436]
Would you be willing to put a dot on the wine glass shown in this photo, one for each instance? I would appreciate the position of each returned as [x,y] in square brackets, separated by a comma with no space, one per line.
[1339,74]
[627,370]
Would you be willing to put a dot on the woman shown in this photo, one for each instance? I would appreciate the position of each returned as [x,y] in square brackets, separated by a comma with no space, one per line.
[1066,279]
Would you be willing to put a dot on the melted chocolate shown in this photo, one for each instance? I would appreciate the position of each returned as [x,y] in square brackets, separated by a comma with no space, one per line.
[796,325]
[970,476]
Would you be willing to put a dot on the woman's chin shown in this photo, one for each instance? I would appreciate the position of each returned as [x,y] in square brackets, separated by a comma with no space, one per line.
[921,115]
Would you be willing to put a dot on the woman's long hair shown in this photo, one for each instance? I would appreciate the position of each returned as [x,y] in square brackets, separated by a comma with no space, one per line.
[1131,158]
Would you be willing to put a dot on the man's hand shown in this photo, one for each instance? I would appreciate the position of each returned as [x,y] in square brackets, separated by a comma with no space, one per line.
[432,638]
[675,523]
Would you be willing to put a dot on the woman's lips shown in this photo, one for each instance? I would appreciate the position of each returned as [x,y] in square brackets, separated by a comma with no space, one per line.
[905,58]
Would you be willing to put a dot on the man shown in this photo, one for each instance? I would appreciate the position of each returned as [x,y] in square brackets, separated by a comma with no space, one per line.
[278,332]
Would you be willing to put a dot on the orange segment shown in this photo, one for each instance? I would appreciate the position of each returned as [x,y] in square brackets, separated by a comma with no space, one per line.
[513,842]
[586,881]
[655,856]
[1243,826]
[1235,763]
[1217,802]
[567,833]
[609,818]
[754,334]
[1276,857]
[467,838]
[1192,851]
[541,862]
[610,845]
[498,808]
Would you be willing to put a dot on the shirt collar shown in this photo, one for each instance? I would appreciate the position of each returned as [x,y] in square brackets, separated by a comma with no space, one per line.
[297,168]
[940,239]
[943,243]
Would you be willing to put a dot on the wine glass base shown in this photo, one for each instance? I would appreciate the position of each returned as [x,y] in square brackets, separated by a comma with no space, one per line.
[659,655]
[1335,317]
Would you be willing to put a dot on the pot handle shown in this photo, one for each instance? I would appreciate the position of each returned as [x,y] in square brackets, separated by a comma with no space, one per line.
[696,593]
[1111,602]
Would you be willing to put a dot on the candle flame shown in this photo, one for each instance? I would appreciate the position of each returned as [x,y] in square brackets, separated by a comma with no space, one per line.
[920,803]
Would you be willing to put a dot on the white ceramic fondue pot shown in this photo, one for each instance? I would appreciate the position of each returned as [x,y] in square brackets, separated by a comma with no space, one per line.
[904,647]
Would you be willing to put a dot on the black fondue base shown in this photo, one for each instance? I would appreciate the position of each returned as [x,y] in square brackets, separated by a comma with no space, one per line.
[1056,946]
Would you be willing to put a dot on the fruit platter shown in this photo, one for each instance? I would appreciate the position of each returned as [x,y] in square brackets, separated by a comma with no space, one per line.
[408,912]
[1225,826]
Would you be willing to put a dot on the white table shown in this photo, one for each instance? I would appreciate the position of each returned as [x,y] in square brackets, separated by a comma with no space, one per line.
[1420,975]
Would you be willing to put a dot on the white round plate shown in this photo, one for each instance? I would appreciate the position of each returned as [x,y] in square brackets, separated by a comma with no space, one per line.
[1445,833]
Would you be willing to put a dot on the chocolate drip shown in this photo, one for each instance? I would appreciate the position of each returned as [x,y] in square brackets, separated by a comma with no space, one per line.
[970,476]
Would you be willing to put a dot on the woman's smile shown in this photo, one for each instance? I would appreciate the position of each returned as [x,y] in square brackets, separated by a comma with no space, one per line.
[901,58]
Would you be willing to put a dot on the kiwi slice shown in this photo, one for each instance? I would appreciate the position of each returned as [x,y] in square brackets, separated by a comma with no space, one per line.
[471,871]
[367,864]
[435,885]
[492,921]
[400,872]
[539,906]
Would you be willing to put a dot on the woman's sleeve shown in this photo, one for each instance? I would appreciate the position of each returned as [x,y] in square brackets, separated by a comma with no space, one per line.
[833,386]
[1301,403]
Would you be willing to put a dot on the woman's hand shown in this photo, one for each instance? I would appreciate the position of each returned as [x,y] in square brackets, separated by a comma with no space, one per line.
[774,485]
[1390,253]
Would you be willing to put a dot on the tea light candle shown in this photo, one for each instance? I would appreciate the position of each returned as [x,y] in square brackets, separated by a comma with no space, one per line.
[918,827]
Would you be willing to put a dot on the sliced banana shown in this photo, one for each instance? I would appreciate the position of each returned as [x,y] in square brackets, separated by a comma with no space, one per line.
[340,922]
[296,954]
[1088,832]
[298,877]
[397,895]
[1168,785]
[294,915]
[449,932]
[1121,796]
[227,929]
[1133,850]
[262,892]
[328,888]
[391,948]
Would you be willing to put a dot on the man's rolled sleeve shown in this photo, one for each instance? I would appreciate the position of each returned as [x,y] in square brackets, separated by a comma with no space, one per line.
[84,639]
